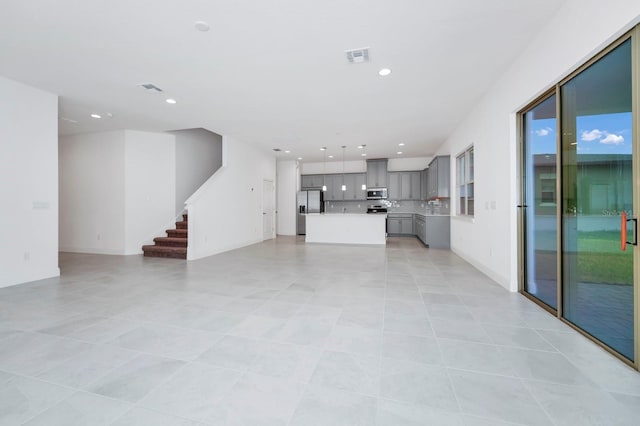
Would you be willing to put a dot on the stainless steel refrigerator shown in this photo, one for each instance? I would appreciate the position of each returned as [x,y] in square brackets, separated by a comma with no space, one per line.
[308,202]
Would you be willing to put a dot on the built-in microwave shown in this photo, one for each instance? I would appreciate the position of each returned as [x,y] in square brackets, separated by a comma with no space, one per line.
[377,194]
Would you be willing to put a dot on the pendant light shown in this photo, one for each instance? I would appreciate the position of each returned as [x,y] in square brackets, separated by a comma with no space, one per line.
[344,187]
[324,168]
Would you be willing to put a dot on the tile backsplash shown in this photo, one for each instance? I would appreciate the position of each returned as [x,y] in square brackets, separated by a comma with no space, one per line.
[424,207]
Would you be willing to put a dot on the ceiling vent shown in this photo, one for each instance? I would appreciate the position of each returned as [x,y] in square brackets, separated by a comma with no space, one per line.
[277,149]
[150,87]
[357,56]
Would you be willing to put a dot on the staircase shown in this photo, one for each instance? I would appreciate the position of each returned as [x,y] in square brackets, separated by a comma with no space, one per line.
[174,245]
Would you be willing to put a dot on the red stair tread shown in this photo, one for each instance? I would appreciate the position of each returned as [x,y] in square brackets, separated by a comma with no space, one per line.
[170,241]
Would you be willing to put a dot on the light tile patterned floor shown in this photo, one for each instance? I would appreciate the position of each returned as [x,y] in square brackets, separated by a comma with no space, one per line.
[283,333]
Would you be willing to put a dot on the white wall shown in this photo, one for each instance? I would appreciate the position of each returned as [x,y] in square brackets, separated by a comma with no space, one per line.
[410,163]
[117,190]
[360,166]
[579,30]
[92,197]
[150,191]
[226,212]
[198,156]
[287,187]
[28,183]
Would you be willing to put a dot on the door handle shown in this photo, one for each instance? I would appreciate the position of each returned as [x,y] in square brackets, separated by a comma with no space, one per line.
[623,231]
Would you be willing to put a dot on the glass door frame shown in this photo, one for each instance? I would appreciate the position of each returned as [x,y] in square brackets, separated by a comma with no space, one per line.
[634,35]
[522,206]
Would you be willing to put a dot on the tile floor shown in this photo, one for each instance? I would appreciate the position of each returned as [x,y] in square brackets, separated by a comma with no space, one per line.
[283,333]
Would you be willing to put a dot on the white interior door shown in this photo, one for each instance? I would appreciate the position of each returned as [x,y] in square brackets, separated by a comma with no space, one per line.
[268,210]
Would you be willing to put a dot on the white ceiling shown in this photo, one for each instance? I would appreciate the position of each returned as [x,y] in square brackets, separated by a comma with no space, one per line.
[273,72]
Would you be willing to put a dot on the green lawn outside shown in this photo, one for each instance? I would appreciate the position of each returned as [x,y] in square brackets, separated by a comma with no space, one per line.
[599,258]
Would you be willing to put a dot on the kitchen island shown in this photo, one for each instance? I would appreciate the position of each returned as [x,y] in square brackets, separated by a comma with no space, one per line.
[346,228]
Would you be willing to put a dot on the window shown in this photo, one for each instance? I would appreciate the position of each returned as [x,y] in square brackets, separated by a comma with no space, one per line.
[465,182]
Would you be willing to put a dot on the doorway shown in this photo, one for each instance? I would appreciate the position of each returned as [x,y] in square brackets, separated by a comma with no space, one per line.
[577,167]
[268,210]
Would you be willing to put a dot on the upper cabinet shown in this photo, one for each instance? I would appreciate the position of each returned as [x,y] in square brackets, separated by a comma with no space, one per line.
[438,178]
[354,191]
[404,185]
[377,173]
[424,184]
[311,181]
[334,188]
[353,186]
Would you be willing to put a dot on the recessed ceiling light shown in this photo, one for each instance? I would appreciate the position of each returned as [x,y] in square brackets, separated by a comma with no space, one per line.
[94,115]
[331,156]
[202,26]
[400,144]
[399,152]
[360,146]
[287,151]
[324,148]
[170,101]
[299,158]
[364,154]
[384,72]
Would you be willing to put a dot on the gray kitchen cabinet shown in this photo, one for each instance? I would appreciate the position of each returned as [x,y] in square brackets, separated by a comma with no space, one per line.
[377,173]
[394,188]
[361,179]
[350,192]
[400,224]
[393,226]
[424,184]
[334,188]
[311,181]
[420,227]
[438,177]
[438,233]
[354,191]
[416,185]
[404,185]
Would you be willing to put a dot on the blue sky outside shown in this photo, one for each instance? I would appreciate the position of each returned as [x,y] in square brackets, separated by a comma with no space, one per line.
[597,134]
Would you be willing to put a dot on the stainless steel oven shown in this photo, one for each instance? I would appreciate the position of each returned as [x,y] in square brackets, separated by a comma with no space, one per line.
[377,194]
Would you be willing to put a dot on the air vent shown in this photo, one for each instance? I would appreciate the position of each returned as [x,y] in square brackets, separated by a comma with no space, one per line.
[277,149]
[357,56]
[150,87]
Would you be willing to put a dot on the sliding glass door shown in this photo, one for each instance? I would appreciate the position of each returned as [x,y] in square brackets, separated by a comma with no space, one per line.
[540,202]
[578,199]
[597,182]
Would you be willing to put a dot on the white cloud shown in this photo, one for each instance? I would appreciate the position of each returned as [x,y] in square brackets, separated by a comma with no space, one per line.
[591,135]
[612,139]
[543,132]
[601,136]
